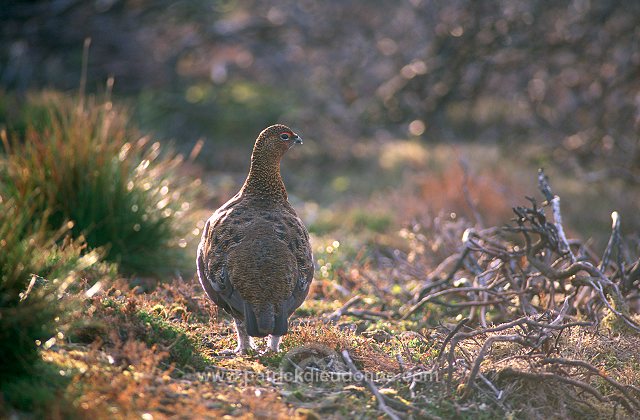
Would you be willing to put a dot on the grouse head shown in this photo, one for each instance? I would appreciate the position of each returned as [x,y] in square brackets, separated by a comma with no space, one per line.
[264,175]
[273,142]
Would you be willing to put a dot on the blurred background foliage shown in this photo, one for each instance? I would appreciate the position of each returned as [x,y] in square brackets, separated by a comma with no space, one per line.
[376,88]
[551,84]
[560,75]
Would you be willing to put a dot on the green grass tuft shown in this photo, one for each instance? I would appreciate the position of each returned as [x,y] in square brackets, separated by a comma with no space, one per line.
[84,163]
[33,272]
[37,267]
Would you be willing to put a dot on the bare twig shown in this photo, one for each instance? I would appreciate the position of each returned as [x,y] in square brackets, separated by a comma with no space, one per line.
[552,376]
[499,393]
[430,284]
[370,315]
[543,183]
[382,406]
[483,351]
[580,363]
[453,332]
[343,310]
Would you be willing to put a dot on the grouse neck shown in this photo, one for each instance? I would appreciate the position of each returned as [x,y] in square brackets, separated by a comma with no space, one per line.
[264,180]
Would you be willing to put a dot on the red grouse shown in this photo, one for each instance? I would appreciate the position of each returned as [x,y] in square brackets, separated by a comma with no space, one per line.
[254,259]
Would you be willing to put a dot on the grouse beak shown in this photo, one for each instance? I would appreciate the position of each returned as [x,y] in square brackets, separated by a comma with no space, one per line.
[297,139]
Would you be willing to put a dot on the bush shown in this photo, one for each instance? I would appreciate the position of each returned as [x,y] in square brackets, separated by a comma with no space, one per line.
[26,310]
[36,267]
[81,161]
[77,183]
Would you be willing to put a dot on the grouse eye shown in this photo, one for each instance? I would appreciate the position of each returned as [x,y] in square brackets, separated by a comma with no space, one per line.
[284,136]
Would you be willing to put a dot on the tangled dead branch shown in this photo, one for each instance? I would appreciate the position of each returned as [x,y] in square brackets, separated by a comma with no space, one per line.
[533,284]
[535,272]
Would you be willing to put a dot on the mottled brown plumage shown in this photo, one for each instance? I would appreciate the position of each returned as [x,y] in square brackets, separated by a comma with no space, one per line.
[254,259]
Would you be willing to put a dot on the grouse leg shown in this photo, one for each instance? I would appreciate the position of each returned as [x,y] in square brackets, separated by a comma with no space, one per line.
[245,342]
[274,343]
